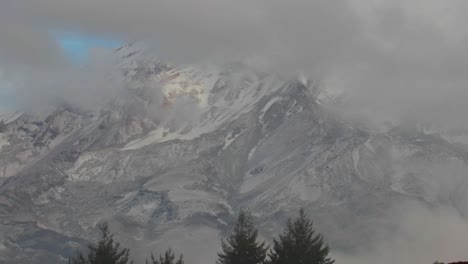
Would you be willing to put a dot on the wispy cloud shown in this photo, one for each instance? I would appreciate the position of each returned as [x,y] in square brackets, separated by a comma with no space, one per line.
[410,54]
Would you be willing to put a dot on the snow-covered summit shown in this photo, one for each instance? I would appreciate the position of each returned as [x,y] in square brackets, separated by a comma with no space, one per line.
[170,160]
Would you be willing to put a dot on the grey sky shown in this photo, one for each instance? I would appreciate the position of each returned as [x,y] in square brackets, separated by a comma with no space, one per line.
[395,59]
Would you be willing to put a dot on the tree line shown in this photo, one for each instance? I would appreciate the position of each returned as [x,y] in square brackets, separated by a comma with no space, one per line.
[299,243]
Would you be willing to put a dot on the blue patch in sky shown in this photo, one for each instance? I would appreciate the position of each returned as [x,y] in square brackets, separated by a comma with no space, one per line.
[78,46]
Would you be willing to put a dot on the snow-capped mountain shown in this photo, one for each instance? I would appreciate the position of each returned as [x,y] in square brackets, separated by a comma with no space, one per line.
[169,161]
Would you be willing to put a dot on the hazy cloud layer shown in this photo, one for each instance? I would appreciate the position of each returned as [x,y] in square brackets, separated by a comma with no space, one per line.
[395,59]
[421,235]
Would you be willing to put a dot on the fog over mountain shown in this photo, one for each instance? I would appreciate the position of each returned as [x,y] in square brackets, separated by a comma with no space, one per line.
[383,53]
[352,109]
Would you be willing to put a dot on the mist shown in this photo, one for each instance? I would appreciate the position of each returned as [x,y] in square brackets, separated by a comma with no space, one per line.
[403,60]
[382,54]
[39,89]
[421,235]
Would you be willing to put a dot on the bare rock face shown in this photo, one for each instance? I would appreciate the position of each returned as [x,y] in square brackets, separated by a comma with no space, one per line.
[170,161]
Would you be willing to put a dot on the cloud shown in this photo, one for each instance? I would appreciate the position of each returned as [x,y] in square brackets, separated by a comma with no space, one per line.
[87,87]
[421,235]
[6,96]
[23,43]
[402,59]
[209,28]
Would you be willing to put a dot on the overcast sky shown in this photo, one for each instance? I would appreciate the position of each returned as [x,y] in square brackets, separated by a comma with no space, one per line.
[404,59]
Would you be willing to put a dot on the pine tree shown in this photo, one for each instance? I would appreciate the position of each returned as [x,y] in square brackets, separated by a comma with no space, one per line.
[168,258]
[300,244]
[241,247]
[106,251]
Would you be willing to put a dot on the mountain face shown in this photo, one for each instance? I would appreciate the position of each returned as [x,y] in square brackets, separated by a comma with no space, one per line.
[170,160]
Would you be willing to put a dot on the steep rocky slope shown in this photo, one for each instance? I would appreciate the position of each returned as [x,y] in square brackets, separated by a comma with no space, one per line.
[169,161]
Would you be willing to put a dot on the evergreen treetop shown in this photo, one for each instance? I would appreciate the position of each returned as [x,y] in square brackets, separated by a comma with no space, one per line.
[242,247]
[168,258]
[300,244]
[106,251]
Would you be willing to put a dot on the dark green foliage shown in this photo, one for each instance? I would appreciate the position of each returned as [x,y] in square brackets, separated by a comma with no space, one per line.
[300,244]
[106,251]
[242,247]
[168,258]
